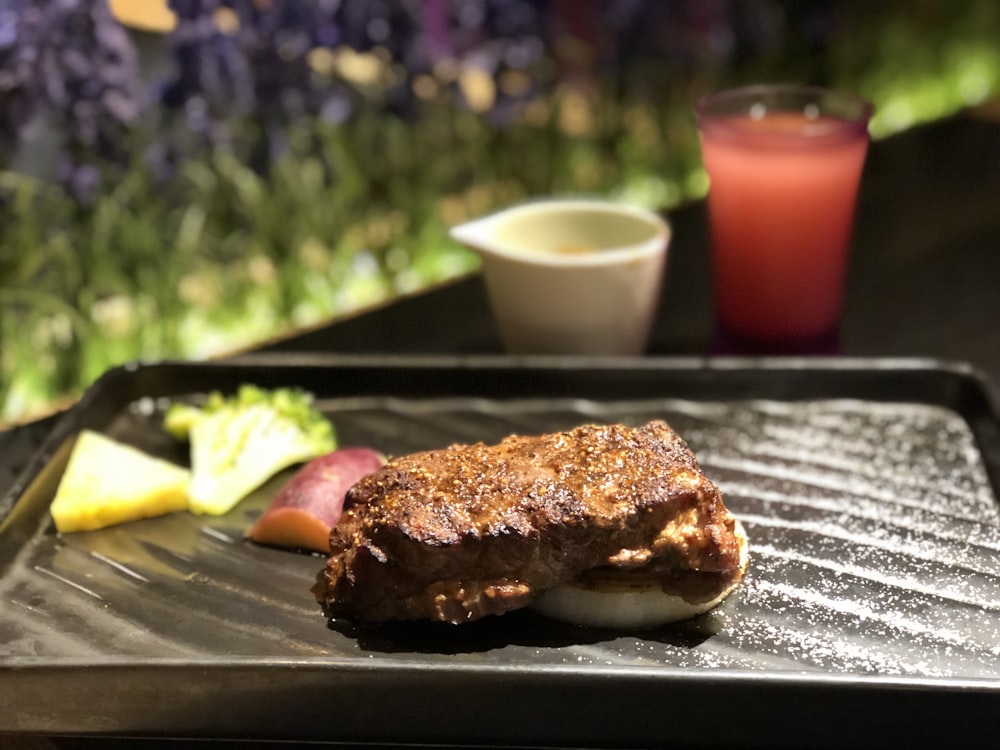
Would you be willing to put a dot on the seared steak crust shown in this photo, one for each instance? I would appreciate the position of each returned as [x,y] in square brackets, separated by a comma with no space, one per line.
[467,531]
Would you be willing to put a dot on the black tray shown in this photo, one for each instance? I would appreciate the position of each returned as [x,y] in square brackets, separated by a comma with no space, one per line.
[870,615]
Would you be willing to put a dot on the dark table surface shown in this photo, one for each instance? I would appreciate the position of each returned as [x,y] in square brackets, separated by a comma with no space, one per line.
[924,280]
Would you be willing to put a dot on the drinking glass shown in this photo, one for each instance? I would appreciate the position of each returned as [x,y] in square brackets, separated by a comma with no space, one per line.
[784,164]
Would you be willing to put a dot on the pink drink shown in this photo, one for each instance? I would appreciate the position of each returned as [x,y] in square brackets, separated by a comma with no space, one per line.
[784,181]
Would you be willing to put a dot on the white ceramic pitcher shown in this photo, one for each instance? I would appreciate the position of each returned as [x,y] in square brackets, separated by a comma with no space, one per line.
[571,276]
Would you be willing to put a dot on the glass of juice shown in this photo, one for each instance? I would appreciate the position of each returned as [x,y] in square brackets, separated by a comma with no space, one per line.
[784,164]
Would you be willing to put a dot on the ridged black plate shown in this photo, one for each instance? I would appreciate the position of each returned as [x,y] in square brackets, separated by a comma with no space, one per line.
[868,490]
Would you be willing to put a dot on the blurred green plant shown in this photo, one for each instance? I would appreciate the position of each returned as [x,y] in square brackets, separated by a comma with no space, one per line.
[222,256]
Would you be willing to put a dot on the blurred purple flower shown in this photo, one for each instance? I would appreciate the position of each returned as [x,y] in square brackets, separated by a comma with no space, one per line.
[83,181]
[72,62]
[19,30]
[243,71]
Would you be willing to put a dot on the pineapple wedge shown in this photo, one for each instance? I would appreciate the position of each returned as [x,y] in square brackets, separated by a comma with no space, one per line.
[107,482]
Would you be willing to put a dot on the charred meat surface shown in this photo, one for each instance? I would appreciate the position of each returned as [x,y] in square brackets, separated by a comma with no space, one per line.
[472,530]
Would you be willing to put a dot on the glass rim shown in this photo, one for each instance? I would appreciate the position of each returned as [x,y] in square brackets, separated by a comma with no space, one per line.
[848,107]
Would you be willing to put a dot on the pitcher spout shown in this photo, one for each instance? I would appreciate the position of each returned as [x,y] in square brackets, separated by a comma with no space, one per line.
[476,235]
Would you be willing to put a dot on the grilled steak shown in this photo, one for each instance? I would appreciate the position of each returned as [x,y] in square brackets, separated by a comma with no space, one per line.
[467,531]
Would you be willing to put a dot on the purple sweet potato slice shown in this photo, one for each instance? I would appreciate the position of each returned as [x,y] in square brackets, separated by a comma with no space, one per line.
[307,508]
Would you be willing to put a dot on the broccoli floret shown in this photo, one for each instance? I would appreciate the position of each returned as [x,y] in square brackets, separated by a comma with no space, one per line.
[179,419]
[240,441]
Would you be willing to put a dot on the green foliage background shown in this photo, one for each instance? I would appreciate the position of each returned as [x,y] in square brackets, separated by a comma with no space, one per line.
[355,214]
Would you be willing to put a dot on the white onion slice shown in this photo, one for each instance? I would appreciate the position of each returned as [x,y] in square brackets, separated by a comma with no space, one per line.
[625,601]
